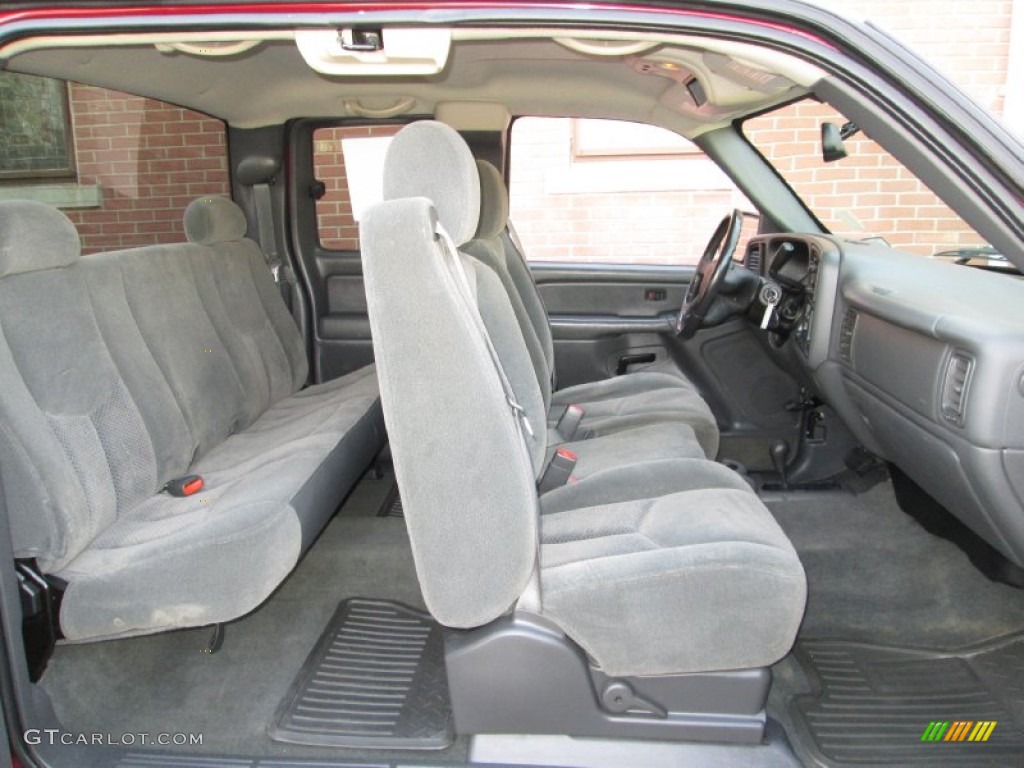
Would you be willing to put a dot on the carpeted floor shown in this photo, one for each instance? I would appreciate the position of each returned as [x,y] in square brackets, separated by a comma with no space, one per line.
[876,576]
[165,683]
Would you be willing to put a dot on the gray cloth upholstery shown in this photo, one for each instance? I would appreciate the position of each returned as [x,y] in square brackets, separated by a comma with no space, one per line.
[641,481]
[651,438]
[128,369]
[467,483]
[488,254]
[426,159]
[493,202]
[621,403]
[211,220]
[697,578]
[653,442]
[627,402]
[32,238]
[692,582]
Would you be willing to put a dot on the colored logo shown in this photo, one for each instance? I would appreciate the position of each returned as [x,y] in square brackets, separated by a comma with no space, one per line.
[959,730]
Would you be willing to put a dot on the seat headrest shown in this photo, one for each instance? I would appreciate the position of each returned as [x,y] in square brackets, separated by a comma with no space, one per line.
[34,237]
[493,202]
[429,159]
[210,220]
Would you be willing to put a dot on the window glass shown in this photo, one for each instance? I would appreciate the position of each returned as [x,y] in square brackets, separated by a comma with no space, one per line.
[349,160]
[36,127]
[867,195]
[137,163]
[607,191]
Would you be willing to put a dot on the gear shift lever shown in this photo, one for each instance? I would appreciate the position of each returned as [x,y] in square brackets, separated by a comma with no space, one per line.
[779,452]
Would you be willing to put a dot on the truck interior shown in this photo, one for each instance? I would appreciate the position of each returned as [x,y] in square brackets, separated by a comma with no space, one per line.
[417,498]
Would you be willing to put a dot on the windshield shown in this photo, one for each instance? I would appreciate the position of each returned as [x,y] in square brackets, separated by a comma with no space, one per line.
[866,195]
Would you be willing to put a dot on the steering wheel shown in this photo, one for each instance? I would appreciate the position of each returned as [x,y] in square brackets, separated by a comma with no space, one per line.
[711,271]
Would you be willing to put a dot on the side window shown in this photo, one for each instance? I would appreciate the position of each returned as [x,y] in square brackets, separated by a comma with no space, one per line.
[350,161]
[613,192]
[122,167]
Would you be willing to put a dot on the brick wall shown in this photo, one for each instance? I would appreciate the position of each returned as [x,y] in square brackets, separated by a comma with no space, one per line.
[150,160]
[335,223]
[865,194]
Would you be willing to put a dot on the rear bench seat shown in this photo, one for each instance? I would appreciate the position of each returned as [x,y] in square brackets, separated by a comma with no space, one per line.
[124,370]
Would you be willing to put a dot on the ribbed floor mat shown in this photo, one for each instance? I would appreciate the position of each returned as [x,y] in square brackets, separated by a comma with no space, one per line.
[878,706]
[376,679]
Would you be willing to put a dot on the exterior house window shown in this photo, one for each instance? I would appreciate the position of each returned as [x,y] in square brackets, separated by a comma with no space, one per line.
[36,126]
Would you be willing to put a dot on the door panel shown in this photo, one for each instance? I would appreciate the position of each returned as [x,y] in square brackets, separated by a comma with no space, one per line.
[342,342]
[646,299]
[600,315]
[604,317]
[324,235]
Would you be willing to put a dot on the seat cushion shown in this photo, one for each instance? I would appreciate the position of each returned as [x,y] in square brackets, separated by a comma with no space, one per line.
[641,481]
[635,399]
[330,409]
[186,562]
[338,425]
[695,581]
[630,447]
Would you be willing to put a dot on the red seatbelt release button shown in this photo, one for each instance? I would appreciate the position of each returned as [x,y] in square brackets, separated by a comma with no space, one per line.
[189,485]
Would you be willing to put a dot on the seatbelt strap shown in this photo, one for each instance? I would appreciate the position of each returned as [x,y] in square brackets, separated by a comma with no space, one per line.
[462,280]
[530,599]
[268,237]
[513,236]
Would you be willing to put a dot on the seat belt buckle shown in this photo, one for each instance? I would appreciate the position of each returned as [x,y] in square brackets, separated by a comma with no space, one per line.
[189,485]
[569,423]
[558,472]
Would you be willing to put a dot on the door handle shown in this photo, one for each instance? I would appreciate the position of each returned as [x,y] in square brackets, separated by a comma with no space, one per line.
[627,360]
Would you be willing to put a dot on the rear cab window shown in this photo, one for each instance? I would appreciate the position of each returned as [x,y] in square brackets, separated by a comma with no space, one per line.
[121,167]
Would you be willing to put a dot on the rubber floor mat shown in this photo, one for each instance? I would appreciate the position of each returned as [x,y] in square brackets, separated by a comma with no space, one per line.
[873,705]
[376,679]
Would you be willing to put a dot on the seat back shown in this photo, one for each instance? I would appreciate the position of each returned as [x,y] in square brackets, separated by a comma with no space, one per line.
[244,302]
[119,370]
[488,248]
[495,235]
[468,486]
[78,426]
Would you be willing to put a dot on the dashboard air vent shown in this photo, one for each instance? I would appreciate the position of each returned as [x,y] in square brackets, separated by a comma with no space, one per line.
[954,388]
[753,260]
[846,331]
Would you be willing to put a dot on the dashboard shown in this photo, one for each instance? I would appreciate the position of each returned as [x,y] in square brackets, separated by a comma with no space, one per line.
[794,267]
[923,360]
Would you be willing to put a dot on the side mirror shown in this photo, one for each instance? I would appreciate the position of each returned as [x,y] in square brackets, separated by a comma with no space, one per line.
[832,147]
